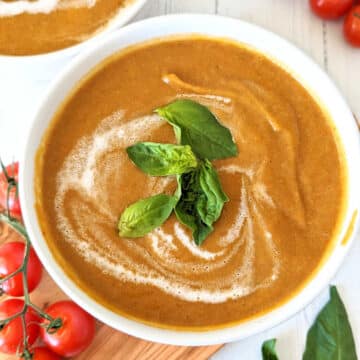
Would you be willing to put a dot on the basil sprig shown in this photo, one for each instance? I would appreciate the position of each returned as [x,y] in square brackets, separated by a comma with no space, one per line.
[195,125]
[145,215]
[162,159]
[199,198]
[201,202]
[329,338]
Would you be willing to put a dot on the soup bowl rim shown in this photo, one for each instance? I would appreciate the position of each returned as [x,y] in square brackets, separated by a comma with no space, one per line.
[278,49]
[123,16]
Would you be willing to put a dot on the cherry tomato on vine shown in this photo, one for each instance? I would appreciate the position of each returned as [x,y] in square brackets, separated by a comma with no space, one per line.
[75,334]
[11,335]
[331,9]
[11,258]
[14,203]
[43,353]
[352,26]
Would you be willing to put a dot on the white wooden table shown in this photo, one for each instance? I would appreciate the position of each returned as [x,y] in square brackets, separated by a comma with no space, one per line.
[21,90]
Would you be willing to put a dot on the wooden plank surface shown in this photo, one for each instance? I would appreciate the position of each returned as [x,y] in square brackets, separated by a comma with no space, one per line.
[109,344]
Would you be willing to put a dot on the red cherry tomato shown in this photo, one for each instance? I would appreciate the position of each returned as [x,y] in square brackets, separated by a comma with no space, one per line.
[14,203]
[76,332]
[352,26]
[43,353]
[11,258]
[331,9]
[11,335]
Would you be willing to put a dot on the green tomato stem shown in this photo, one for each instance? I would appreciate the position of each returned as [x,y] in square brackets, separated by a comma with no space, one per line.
[8,277]
[41,313]
[15,224]
[12,317]
[25,337]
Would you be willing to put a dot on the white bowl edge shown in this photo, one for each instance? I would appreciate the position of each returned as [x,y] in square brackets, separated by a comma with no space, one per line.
[302,67]
[123,16]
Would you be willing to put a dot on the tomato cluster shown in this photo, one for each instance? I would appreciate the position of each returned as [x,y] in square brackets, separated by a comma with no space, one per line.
[76,328]
[74,336]
[335,9]
[11,258]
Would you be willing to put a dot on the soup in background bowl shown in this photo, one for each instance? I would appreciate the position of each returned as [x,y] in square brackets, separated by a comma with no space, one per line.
[44,26]
[291,188]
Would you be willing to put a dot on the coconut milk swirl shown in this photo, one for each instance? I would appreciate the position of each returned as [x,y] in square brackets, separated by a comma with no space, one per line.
[222,274]
[17,7]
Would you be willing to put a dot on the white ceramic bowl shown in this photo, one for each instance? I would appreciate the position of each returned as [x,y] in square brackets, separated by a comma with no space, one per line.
[123,16]
[303,68]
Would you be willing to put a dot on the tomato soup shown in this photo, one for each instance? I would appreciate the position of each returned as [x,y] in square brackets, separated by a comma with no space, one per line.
[34,27]
[286,186]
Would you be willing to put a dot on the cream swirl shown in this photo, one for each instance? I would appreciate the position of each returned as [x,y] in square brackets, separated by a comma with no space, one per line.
[161,264]
[18,7]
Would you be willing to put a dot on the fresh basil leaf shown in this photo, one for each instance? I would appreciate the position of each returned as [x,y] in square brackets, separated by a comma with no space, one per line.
[210,203]
[162,159]
[201,200]
[145,215]
[330,337]
[191,219]
[197,126]
[185,209]
[187,193]
[268,350]
[178,191]
[201,232]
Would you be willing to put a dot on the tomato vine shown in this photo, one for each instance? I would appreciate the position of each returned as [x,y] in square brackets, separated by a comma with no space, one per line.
[51,324]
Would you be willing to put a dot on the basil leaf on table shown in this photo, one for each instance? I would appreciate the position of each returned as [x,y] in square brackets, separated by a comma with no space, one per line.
[268,350]
[162,159]
[201,201]
[330,337]
[145,215]
[197,126]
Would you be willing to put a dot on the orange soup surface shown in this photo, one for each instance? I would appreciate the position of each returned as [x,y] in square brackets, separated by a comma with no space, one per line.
[30,27]
[286,187]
